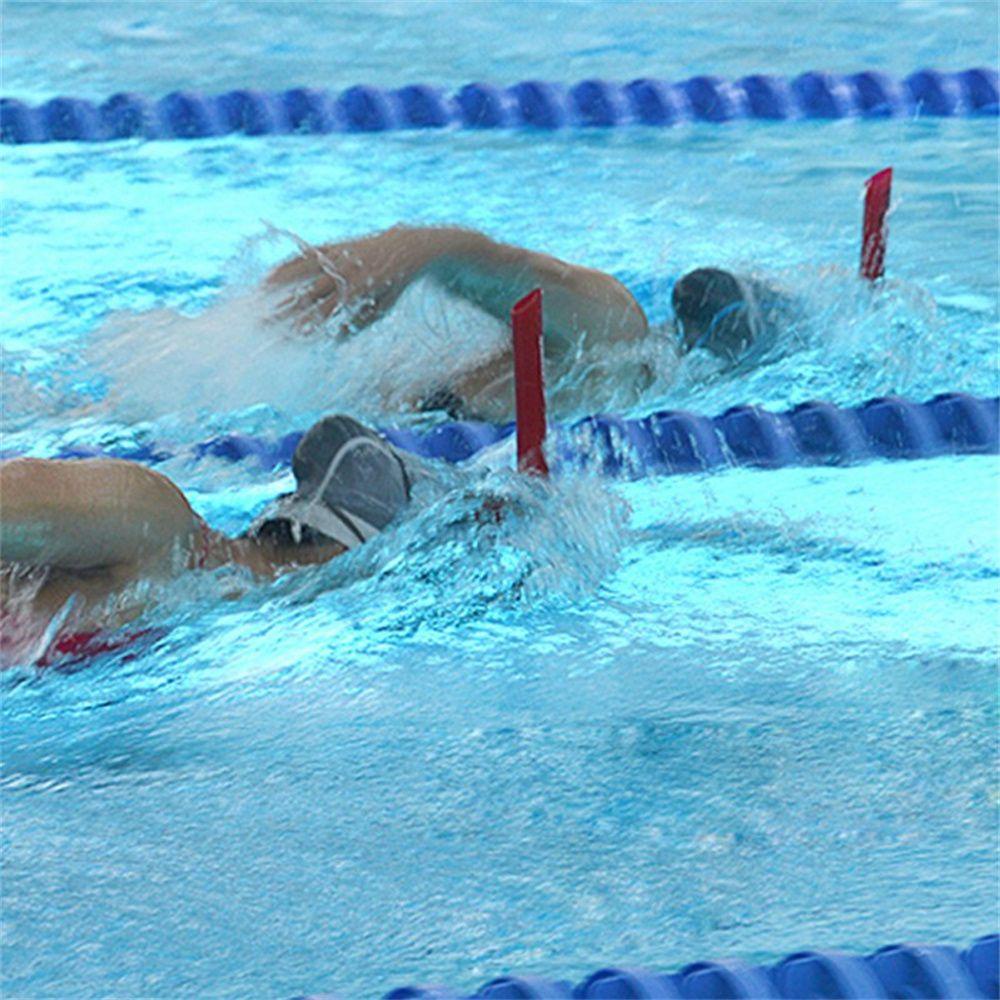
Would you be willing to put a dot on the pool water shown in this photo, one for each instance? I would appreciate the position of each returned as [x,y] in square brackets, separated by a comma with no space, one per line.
[646,722]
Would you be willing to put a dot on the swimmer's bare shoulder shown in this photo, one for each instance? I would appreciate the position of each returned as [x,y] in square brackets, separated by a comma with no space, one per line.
[93,517]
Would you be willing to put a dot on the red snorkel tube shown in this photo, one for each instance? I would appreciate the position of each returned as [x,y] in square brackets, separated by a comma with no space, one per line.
[874,234]
[529,397]
[529,384]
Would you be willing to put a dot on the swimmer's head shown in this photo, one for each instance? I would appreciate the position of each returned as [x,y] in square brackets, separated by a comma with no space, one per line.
[713,313]
[349,484]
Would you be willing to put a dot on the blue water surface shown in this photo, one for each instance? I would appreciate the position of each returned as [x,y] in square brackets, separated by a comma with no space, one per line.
[645,722]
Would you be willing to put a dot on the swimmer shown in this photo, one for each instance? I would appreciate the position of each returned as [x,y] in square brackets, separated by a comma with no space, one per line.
[74,535]
[358,281]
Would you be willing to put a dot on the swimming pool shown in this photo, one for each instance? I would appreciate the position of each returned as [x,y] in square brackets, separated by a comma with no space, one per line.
[646,722]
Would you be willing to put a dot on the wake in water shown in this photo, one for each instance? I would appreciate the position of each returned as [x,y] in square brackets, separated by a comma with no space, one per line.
[835,337]
[473,546]
[478,542]
[235,357]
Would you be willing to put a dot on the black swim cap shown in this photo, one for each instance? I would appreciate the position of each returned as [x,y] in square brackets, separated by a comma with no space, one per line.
[713,312]
[349,484]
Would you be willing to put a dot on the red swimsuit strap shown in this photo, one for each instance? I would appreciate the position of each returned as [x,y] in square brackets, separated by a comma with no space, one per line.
[200,555]
[71,646]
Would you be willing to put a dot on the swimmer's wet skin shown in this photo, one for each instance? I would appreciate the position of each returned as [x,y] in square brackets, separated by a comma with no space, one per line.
[81,531]
[356,282]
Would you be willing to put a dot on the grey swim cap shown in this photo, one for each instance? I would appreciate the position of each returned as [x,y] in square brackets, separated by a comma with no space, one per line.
[715,311]
[349,484]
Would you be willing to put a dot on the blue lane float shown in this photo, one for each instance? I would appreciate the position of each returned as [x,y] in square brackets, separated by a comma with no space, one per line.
[673,441]
[531,104]
[901,970]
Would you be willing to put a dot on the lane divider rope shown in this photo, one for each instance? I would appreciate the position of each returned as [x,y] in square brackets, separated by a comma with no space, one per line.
[899,970]
[531,104]
[670,441]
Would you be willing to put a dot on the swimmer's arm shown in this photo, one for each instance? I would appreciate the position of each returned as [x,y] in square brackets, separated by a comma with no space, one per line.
[581,306]
[364,278]
[91,514]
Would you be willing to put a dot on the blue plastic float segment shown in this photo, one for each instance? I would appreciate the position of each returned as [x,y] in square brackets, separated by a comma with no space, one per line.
[979,88]
[755,437]
[826,434]
[540,105]
[897,428]
[653,102]
[406,439]
[931,972]
[423,107]
[68,118]
[449,441]
[826,974]
[933,93]
[365,109]
[147,453]
[481,105]
[534,104]
[627,984]
[875,94]
[711,99]
[526,988]
[20,123]
[421,993]
[252,112]
[982,959]
[309,111]
[733,980]
[125,116]
[823,95]
[965,427]
[598,103]
[186,115]
[236,448]
[766,97]
[685,442]
[600,444]
[631,447]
